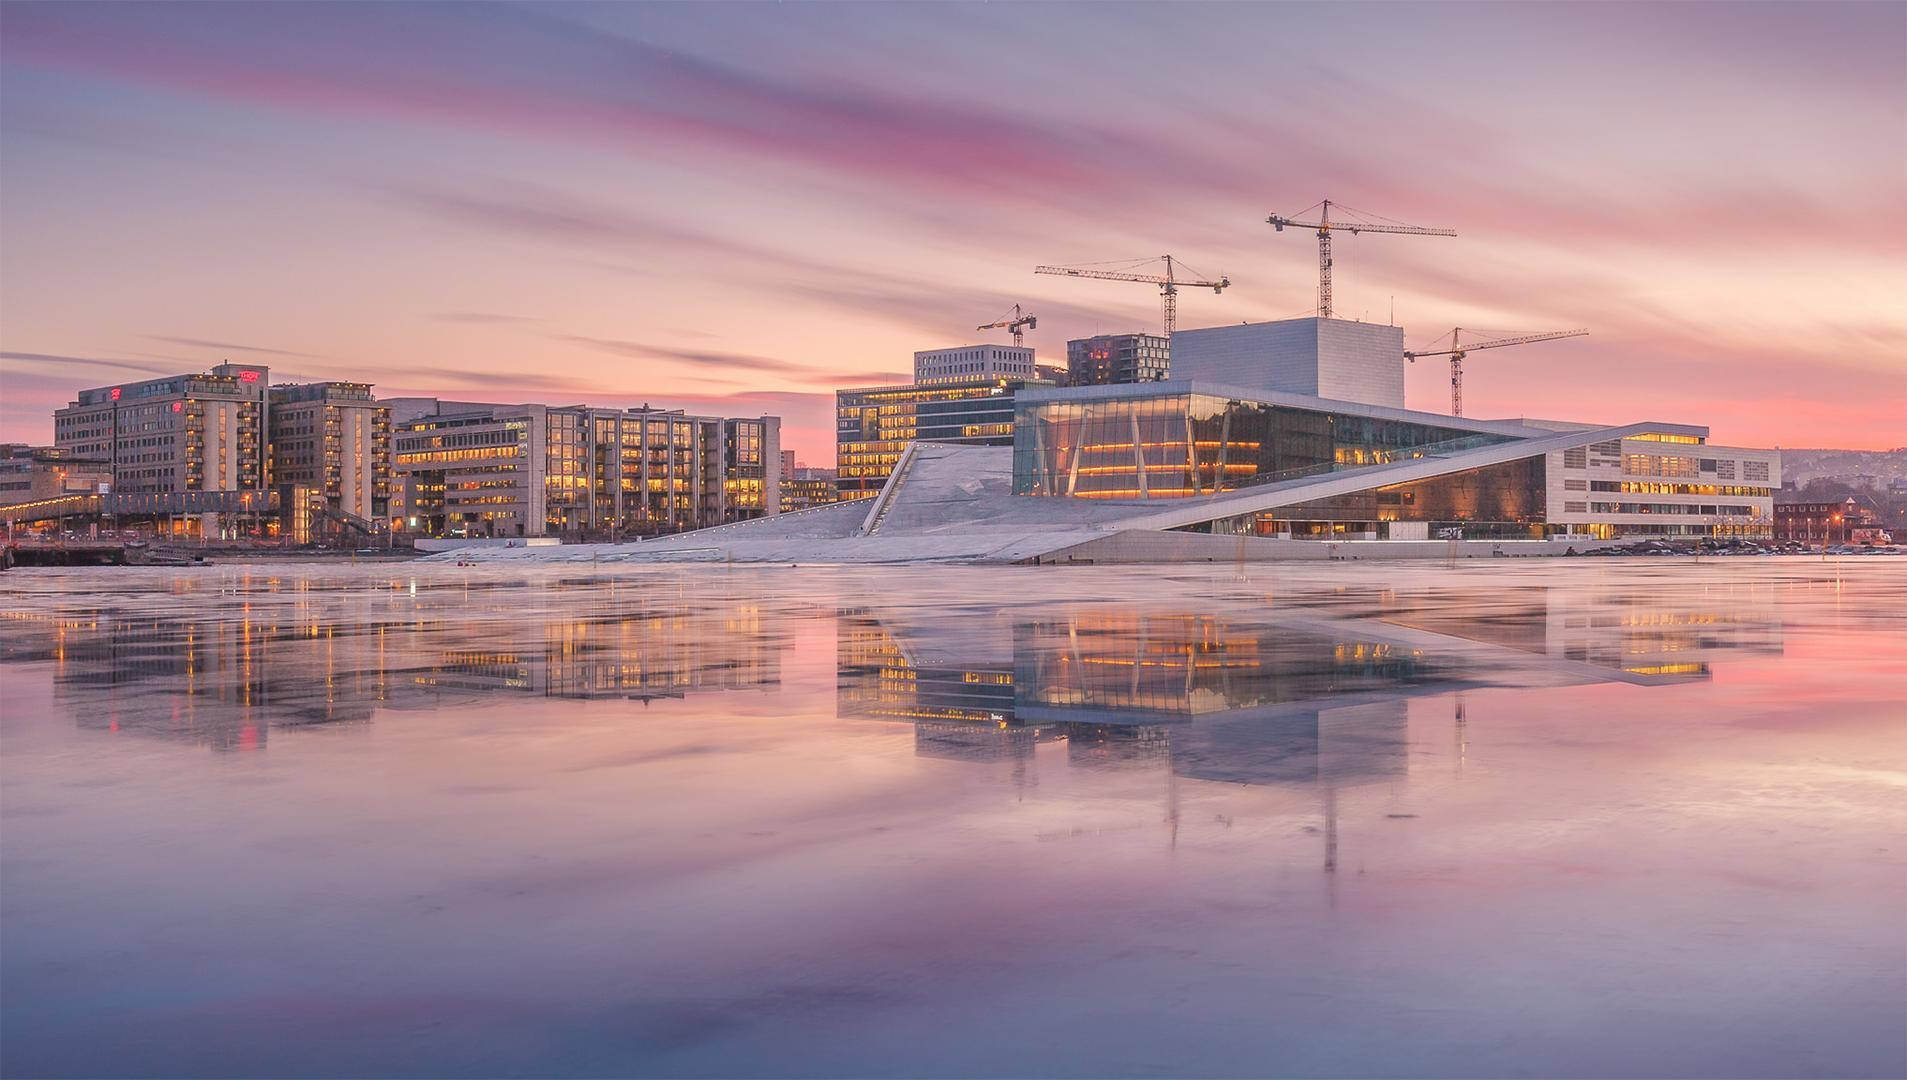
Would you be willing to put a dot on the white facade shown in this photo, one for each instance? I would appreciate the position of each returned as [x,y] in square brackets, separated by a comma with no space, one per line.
[1327,358]
[972,362]
[1666,483]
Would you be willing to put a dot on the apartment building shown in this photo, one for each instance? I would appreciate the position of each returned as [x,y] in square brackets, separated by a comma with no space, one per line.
[1118,358]
[334,438]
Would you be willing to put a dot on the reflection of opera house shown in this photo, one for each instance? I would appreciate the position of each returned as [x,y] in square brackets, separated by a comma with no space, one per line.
[1300,695]
[1185,470]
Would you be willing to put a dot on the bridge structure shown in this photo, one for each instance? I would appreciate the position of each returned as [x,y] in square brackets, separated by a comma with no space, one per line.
[301,513]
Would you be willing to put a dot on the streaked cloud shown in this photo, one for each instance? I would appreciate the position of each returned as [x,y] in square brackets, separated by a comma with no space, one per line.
[600,199]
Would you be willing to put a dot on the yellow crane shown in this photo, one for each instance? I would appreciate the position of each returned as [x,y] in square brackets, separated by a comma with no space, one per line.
[1019,324]
[1326,226]
[1458,350]
[1168,283]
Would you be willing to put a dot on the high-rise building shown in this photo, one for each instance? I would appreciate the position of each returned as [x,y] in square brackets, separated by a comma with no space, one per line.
[874,424]
[965,363]
[205,431]
[469,469]
[1117,358]
[335,438]
[1333,359]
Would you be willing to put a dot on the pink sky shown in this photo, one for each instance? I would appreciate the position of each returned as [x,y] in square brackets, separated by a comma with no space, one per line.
[739,208]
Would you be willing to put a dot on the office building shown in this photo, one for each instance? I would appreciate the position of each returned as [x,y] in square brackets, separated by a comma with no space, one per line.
[334,438]
[470,469]
[205,431]
[29,473]
[1117,358]
[1325,358]
[874,424]
[807,488]
[965,363]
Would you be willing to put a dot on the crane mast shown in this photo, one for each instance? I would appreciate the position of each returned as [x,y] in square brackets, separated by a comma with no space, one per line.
[1458,350]
[1017,323]
[1324,225]
[1168,284]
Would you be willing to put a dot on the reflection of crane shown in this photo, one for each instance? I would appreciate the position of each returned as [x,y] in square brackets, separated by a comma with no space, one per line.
[1458,350]
[1017,323]
[1325,225]
[1168,285]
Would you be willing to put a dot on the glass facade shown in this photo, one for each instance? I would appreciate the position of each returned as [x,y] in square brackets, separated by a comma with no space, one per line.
[1503,501]
[1179,444]
[874,425]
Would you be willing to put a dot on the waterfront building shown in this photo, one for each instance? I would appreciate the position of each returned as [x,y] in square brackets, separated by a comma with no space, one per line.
[334,438]
[203,431]
[874,424]
[31,473]
[1181,440]
[1830,521]
[1117,358]
[966,363]
[470,469]
[1326,358]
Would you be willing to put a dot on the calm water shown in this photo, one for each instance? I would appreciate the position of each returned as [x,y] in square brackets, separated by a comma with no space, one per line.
[1595,818]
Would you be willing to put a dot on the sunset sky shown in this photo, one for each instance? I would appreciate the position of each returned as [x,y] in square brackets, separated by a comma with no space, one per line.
[739,208]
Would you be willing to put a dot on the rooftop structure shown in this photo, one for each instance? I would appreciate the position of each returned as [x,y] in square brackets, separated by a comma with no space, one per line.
[1327,358]
[965,363]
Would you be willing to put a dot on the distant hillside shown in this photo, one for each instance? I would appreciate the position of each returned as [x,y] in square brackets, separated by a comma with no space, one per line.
[1801,466]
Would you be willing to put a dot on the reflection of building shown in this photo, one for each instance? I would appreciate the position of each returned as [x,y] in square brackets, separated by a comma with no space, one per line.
[873,425]
[1117,358]
[195,432]
[229,676]
[1314,694]
[538,470]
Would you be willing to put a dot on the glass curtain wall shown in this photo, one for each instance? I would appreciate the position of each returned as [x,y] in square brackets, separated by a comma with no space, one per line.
[1182,444]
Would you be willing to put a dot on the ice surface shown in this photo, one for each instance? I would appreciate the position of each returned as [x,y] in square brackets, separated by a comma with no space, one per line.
[1588,818]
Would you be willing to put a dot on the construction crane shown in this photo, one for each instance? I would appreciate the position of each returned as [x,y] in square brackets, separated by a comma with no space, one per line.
[1168,284]
[1326,226]
[1019,324]
[1458,350]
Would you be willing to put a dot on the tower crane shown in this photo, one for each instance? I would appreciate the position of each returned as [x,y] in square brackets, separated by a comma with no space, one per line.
[1168,284]
[1458,350]
[1019,324]
[1326,226]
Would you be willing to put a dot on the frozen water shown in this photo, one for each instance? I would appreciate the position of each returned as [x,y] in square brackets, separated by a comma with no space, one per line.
[1585,818]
